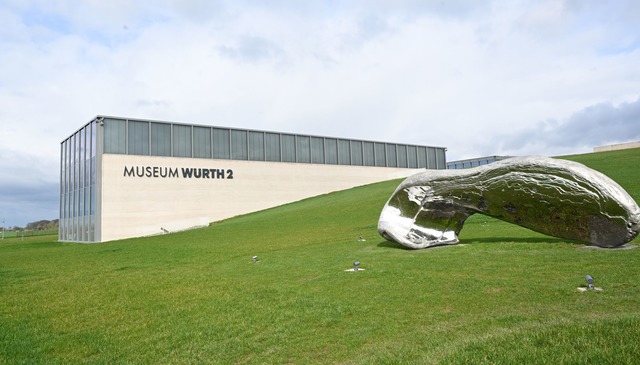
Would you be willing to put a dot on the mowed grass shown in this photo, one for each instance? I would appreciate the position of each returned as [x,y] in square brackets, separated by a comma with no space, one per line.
[507,295]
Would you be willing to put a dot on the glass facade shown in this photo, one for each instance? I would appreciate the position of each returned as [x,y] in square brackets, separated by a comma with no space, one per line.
[78,183]
[136,137]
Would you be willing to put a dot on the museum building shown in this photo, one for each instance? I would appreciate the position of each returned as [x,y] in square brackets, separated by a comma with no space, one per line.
[123,177]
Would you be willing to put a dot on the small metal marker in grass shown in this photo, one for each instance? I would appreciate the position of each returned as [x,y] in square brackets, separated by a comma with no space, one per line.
[590,286]
[589,281]
[255,259]
[355,267]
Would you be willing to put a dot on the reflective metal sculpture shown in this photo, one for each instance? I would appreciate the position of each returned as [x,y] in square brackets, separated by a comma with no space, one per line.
[556,197]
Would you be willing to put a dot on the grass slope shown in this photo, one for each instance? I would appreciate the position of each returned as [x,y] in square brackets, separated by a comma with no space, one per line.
[507,296]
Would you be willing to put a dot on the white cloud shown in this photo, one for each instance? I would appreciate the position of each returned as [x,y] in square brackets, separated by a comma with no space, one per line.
[595,125]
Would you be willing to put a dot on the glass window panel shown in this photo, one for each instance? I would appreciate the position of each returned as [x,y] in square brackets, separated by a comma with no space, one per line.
[356,153]
[331,151]
[239,145]
[221,146]
[87,143]
[272,148]
[65,163]
[381,159]
[80,203]
[84,231]
[92,192]
[138,141]
[70,184]
[87,156]
[344,152]
[303,151]
[68,206]
[201,142]
[160,139]
[87,172]
[441,159]
[87,201]
[63,167]
[422,157]
[114,136]
[72,150]
[67,226]
[369,153]
[69,164]
[81,142]
[67,214]
[72,200]
[93,170]
[256,146]
[64,206]
[92,225]
[63,157]
[76,162]
[72,162]
[391,153]
[317,150]
[431,158]
[288,148]
[76,203]
[93,139]
[181,140]
[402,155]
[78,146]
[412,157]
[80,158]
[61,191]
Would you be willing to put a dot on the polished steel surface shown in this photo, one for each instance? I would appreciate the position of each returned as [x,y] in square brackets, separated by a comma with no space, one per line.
[556,197]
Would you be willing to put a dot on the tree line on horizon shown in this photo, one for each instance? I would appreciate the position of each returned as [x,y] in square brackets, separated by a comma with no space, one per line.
[40,225]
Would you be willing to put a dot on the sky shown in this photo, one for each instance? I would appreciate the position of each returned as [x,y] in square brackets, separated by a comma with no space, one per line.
[479,77]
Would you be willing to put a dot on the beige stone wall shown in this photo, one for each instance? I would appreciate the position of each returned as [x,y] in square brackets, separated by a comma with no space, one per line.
[133,206]
[619,146]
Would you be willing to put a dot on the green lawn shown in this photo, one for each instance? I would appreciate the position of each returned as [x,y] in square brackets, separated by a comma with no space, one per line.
[507,295]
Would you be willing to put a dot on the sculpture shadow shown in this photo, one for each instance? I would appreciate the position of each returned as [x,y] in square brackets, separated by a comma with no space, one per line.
[518,240]
[395,245]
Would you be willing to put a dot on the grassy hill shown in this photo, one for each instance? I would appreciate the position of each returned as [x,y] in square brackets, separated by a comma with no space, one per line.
[507,295]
